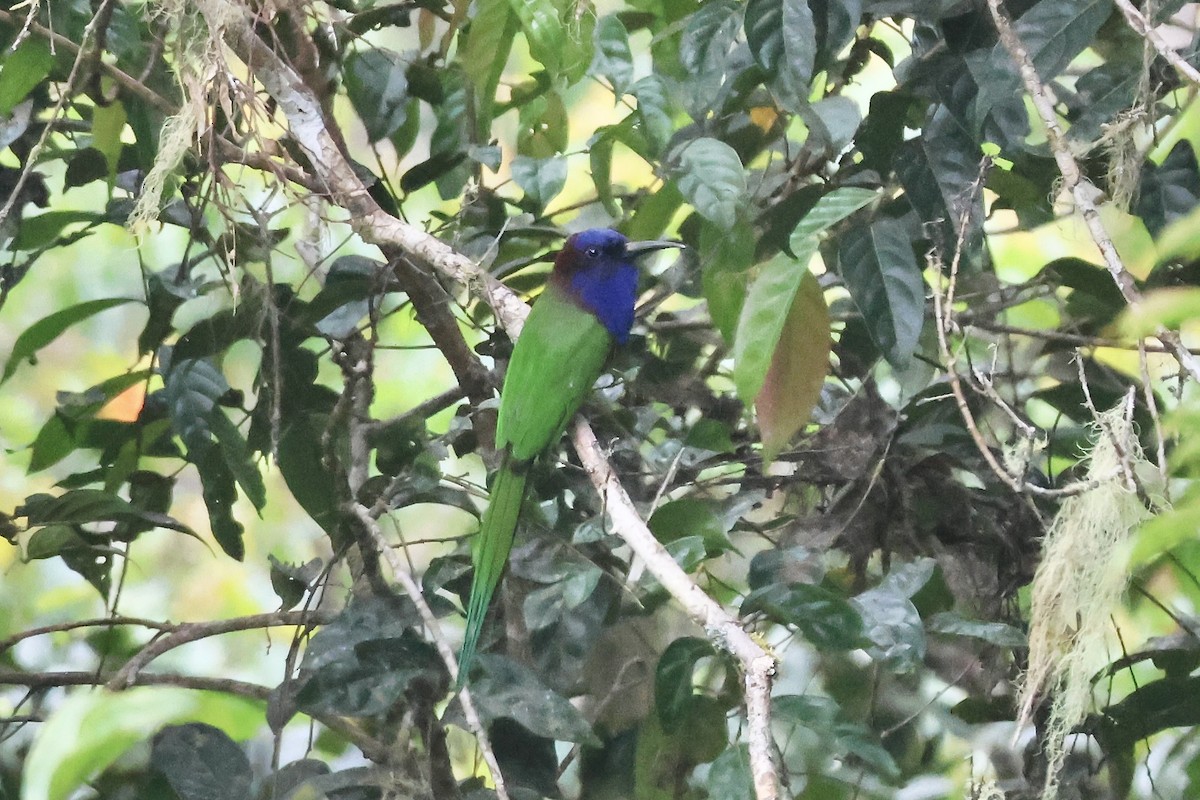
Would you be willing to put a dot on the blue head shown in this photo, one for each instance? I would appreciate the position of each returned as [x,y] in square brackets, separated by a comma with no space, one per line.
[598,269]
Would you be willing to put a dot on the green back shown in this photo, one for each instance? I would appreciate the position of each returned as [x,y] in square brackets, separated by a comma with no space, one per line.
[557,358]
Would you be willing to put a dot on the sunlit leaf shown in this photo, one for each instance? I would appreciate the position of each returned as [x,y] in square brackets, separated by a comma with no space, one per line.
[49,328]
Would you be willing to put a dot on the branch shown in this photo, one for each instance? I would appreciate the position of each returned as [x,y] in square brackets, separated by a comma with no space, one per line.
[307,127]
[758,666]
[194,631]
[371,748]
[1081,189]
[1142,27]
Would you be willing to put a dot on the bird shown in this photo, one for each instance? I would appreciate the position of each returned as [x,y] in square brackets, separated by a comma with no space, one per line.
[586,308]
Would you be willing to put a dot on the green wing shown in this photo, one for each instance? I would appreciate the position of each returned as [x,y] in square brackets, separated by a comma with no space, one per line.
[557,358]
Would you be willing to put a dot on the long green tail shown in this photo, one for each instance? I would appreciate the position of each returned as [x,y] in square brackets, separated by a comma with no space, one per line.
[490,554]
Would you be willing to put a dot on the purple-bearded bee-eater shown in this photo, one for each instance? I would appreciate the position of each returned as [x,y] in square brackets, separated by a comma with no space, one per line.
[586,308]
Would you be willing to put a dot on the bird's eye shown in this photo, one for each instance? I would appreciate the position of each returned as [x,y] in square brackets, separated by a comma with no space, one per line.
[593,252]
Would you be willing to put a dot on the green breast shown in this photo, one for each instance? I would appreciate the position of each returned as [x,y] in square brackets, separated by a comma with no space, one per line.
[557,358]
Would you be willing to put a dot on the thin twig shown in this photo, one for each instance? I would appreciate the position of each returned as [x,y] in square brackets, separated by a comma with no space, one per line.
[188,632]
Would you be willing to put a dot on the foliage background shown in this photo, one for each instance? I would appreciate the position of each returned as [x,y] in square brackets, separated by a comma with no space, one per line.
[822,160]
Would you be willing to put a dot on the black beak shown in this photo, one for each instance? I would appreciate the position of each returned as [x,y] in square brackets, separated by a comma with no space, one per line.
[637,249]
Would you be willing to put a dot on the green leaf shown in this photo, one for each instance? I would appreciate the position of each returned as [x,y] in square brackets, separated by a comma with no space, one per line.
[545,126]
[653,109]
[377,84]
[783,39]
[730,778]
[540,178]
[951,623]
[711,178]
[708,37]
[201,762]
[765,312]
[483,56]
[892,623]
[82,506]
[49,328]
[23,69]
[302,465]
[673,692]
[374,678]
[883,278]
[613,60]
[91,730]
[40,231]
[85,166]
[690,516]
[507,689]
[237,455]
[725,257]
[831,209]
[544,31]
[1169,191]
[54,442]
[799,364]
[108,123]
[827,620]
[939,170]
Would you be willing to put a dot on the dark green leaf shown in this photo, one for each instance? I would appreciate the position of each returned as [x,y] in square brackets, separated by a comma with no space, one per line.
[653,109]
[1052,32]
[363,619]
[237,456]
[673,692]
[85,166]
[996,633]
[40,231]
[709,35]
[219,493]
[201,763]
[377,84]
[291,581]
[892,623]
[507,689]
[82,506]
[782,37]
[826,619]
[1102,93]
[883,277]
[613,60]
[430,170]
[301,462]
[940,173]
[540,178]
[49,328]
[1169,191]
[730,777]
[710,177]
